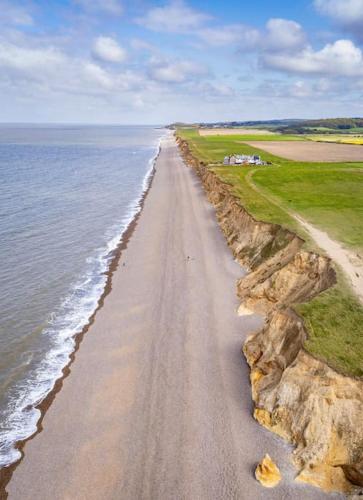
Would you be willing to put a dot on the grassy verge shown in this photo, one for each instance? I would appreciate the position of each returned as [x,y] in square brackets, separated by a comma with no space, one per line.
[328,195]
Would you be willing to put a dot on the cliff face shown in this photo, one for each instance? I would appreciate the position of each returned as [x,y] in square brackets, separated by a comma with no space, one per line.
[307,403]
[296,396]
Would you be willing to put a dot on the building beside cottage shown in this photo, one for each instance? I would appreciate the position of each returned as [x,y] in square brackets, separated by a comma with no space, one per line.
[243,160]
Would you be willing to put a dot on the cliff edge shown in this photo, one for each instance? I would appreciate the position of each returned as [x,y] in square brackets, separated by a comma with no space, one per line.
[297,396]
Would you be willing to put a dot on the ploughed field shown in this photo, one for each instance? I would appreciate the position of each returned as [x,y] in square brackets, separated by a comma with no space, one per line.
[329,195]
[311,151]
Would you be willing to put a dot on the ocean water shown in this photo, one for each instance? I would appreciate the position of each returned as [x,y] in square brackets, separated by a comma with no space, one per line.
[67,194]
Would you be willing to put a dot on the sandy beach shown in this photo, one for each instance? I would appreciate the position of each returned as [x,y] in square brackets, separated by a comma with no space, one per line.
[158,402]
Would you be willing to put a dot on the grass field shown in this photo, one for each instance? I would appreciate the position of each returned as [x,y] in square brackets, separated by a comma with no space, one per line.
[233,131]
[263,136]
[330,196]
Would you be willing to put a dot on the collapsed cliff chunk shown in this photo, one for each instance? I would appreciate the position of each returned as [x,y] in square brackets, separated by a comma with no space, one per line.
[267,472]
[305,275]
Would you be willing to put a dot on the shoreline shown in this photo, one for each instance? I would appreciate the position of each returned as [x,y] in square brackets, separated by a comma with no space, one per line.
[160,375]
[115,257]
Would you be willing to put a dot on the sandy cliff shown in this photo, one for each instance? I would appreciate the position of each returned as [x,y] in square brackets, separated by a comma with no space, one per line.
[296,396]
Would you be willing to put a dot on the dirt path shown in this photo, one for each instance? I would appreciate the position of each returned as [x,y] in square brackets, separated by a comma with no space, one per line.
[158,403]
[349,262]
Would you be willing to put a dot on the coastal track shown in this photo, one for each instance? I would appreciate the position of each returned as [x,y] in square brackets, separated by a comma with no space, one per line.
[158,403]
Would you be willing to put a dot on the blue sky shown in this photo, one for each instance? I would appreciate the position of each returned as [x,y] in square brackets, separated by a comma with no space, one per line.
[117,61]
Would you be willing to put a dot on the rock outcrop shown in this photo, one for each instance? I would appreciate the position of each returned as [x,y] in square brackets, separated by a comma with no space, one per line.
[267,472]
[296,396]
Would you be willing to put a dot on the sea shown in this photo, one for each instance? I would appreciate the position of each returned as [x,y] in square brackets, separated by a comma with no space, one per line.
[67,195]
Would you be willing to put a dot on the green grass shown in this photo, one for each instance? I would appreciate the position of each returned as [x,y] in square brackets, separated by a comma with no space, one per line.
[254,137]
[334,322]
[330,196]
[259,206]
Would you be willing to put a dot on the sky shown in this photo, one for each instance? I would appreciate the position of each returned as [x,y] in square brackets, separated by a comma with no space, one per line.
[151,62]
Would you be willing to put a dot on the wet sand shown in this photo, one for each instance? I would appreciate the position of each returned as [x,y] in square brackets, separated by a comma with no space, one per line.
[158,404]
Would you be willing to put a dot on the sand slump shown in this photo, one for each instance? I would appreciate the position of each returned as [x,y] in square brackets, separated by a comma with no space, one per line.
[297,396]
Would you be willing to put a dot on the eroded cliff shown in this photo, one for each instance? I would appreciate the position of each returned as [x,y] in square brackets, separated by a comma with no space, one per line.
[296,396]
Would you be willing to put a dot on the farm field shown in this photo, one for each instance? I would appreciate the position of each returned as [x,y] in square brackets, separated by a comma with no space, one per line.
[249,135]
[352,130]
[311,151]
[340,138]
[329,196]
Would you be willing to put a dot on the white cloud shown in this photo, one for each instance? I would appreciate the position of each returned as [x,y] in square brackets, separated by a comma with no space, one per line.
[298,89]
[14,14]
[229,35]
[278,35]
[176,72]
[58,72]
[45,76]
[175,17]
[301,89]
[97,75]
[322,88]
[283,34]
[29,60]
[341,58]
[349,12]
[49,71]
[107,49]
[213,89]
[113,7]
